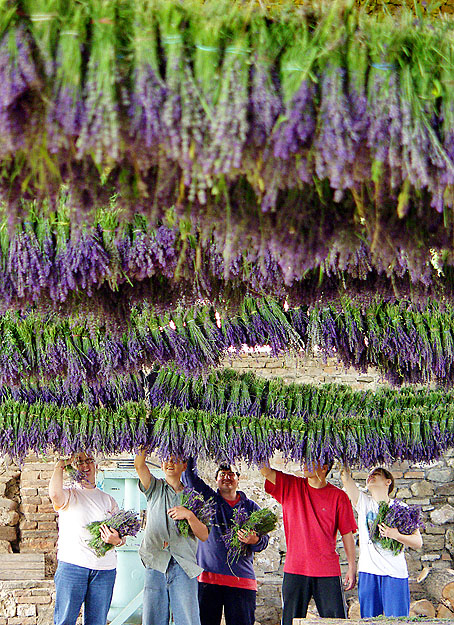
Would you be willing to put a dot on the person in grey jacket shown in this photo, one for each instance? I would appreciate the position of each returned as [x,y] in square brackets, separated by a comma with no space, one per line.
[169,557]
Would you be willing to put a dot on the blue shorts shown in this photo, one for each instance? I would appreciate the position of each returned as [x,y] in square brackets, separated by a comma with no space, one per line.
[381,594]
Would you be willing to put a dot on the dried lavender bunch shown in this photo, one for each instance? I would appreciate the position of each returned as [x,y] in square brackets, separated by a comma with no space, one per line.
[203,510]
[260,521]
[75,476]
[126,522]
[407,519]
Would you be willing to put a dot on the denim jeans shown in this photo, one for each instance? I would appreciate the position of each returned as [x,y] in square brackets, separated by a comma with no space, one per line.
[170,590]
[77,585]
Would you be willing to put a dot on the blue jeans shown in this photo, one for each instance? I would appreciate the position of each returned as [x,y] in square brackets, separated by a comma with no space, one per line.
[381,594]
[77,585]
[172,589]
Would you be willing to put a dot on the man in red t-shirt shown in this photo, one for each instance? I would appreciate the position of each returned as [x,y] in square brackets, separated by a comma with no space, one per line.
[314,511]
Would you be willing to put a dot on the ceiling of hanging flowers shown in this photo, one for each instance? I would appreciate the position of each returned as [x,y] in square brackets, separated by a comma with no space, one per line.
[181,179]
[406,343]
[234,417]
[217,104]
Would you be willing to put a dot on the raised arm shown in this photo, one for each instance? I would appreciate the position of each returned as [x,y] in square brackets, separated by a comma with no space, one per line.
[56,494]
[349,484]
[191,478]
[268,473]
[142,470]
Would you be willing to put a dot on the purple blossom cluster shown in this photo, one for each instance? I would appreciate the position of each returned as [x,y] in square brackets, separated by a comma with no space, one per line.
[407,519]
[203,510]
[407,343]
[150,115]
[330,423]
[126,522]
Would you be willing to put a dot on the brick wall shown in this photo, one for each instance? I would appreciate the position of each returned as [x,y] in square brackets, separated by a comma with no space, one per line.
[29,524]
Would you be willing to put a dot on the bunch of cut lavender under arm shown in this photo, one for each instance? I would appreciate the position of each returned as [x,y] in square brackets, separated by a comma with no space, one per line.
[126,522]
[260,521]
[407,519]
[203,510]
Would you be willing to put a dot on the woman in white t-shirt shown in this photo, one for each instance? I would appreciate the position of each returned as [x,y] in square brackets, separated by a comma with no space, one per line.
[82,577]
[382,576]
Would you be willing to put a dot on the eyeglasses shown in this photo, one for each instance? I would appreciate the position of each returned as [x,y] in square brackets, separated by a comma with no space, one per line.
[222,474]
[79,463]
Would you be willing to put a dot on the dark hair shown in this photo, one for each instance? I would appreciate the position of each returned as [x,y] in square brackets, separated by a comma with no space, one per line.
[387,475]
[225,467]
[329,465]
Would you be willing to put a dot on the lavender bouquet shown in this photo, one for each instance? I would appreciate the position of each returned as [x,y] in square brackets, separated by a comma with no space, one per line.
[75,476]
[406,519]
[203,510]
[126,522]
[260,521]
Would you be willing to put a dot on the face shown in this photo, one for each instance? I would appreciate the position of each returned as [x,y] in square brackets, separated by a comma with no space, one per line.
[173,466]
[86,465]
[227,481]
[376,478]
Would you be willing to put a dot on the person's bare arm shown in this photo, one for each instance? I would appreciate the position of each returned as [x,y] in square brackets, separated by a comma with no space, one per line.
[409,540]
[350,552]
[349,485]
[142,470]
[268,473]
[56,494]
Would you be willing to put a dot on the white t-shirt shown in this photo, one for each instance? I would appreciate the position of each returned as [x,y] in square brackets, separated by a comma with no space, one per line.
[83,506]
[372,558]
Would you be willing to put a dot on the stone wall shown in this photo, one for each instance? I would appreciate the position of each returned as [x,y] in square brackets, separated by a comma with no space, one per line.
[28,523]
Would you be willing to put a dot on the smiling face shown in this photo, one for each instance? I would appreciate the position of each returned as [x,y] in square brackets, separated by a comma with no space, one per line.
[173,467]
[227,482]
[86,464]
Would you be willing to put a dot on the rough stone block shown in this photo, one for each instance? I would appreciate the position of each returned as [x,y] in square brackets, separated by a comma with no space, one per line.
[5,547]
[8,533]
[440,475]
[26,610]
[422,489]
[8,504]
[443,515]
[26,508]
[8,517]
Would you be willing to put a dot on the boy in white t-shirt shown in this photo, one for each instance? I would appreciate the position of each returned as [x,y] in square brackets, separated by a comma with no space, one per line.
[382,576]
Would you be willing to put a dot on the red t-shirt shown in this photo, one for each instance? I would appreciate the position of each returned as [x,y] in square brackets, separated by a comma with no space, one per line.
[312,518]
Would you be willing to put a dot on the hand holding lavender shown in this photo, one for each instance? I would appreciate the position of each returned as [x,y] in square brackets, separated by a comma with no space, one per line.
[203,510]
[126,522]
[406,519]
[260,521]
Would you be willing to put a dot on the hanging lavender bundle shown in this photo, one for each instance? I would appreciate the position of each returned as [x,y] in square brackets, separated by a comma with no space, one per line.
[149,90]
[170,19]
[126,522]
[18,76]
[407,519]
[100,133]
[203,510]
[260,521]
[66,109]
[230,122]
